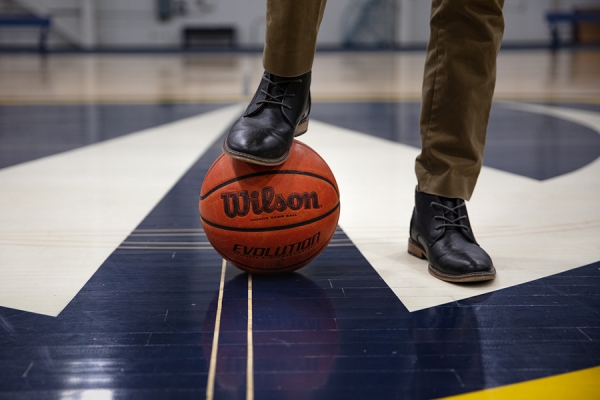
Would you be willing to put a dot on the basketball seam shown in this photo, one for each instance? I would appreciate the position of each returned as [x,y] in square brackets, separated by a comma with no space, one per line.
[214,163]
[262,173]
[274,228]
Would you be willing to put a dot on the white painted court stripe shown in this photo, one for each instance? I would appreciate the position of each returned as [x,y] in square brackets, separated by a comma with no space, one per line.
[62,216]
[250,359]
[503,202]
[210,384]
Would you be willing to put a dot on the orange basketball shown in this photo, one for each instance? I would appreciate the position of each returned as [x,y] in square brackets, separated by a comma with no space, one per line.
[270,219]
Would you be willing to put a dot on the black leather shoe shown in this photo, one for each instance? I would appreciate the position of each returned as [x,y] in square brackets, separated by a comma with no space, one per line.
[277,113]
[440,232]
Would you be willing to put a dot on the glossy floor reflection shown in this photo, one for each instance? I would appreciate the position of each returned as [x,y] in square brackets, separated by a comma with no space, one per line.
[143,326]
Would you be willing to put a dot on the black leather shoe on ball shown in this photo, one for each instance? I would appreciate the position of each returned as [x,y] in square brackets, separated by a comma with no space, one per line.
[440,232]
[277,113]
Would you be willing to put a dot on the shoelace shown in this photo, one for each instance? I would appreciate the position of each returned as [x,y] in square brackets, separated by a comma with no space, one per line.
[276,99]
[450,222]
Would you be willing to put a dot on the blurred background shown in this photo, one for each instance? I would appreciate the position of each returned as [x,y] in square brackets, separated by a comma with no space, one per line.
[209,51]
[168,25]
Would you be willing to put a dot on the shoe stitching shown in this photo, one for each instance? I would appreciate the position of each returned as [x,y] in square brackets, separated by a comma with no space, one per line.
[440,273]
[244,156]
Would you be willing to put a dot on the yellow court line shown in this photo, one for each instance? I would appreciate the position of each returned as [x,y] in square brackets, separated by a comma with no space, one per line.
[210,385]
[580,385]
[250,359]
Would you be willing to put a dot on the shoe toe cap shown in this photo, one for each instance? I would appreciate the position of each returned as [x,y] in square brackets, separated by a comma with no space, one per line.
[467,261]
[257,141]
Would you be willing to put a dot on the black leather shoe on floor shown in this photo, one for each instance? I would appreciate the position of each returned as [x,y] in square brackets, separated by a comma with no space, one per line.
[277,113]
[440,232]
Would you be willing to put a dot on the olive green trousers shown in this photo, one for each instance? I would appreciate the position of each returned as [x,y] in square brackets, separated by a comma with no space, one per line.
[458,83]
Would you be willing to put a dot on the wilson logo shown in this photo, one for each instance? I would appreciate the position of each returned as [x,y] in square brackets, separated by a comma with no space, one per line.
[239,204]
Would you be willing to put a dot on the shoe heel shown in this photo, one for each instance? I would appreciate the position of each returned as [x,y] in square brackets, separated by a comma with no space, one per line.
[301,128]
[415,250]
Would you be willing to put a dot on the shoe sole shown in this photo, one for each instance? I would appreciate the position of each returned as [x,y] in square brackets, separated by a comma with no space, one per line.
[300,130]
[415,249]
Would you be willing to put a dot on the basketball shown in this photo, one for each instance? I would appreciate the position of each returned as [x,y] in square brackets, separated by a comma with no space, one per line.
[269,220]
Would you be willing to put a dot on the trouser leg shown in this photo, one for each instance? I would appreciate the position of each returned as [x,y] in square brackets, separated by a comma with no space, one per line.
[458,85]
[291,36]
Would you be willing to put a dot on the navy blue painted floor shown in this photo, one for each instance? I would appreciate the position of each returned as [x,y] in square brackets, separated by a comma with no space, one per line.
[142,327]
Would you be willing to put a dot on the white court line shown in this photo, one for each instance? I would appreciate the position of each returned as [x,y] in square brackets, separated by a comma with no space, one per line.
[250,360]
[210,385]
[65,214]
[548,222]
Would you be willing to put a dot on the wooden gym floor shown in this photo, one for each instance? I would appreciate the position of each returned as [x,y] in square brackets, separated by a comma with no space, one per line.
[109,289]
